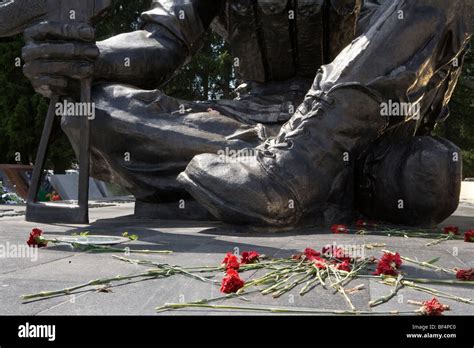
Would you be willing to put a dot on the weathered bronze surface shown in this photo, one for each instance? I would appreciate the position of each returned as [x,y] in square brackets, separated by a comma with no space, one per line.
[334,114]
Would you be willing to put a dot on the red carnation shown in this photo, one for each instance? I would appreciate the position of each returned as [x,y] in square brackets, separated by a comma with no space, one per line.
[337,229]
[231,282]
[344,266]
[36,239]
[231,261]
[388,264]
[249,257]
[469,236]
[311,254]
[433,307]
[319,262]
[465,274]
[451,229]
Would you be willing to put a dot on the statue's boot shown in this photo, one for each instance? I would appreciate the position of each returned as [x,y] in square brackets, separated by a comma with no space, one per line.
[301,176]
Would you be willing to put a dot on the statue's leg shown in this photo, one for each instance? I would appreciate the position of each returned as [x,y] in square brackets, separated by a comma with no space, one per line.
[406,179]
[141,140]
[305,175]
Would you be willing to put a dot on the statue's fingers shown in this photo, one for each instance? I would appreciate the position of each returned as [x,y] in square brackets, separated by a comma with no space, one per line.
[73,70]
[73,51]
[59,31]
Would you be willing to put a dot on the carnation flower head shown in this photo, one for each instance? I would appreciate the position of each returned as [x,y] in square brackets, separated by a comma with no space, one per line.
[451,229]
[231,282]
[36,239]
[469,236]
[465,274]
[231,261]
[433,307]
[249,257]
[389,264]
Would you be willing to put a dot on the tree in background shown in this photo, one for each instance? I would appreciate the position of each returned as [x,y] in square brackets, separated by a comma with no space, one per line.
[208,76]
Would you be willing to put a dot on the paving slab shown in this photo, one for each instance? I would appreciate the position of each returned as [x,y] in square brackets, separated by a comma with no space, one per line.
[205,243]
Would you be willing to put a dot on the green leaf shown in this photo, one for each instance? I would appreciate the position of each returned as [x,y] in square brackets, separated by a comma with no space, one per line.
[130,236]
[433,261]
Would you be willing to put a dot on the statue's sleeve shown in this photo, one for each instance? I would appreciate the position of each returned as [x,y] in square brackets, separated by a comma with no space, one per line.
[187,20]
[368,9]
[169,35]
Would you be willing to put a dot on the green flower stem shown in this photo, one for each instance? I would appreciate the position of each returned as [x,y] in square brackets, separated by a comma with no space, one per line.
[103,249]
[402,233]
[441,239]
[67,291]
[276,273]
[107,249]
[205,301]
[441,281]
[189,274]
[436,292]
[275,286]
[354,272]
[320,277]
[310,285]
[393,292]
[287,275]
[200,269]
[423,264]
[423,280]
[290,286]
[174,306]
[328,277]
[170,268]
[341,290]
[405,282]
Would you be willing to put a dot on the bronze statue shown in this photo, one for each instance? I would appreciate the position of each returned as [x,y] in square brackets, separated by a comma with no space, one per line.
[334,114]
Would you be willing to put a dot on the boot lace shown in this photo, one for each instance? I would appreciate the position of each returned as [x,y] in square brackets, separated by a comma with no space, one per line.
[314,105]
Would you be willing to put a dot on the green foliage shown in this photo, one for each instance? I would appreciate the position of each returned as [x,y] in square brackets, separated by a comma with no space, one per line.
[122,17]
[208,76]
[22,114]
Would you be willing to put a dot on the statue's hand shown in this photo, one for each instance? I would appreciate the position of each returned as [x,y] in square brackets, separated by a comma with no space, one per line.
[58,55]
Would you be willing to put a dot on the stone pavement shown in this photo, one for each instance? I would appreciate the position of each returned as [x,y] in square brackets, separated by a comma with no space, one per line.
[199,243]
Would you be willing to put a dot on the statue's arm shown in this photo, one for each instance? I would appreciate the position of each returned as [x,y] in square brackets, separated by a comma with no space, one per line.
[368,10]
[170,35]
[58,55]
